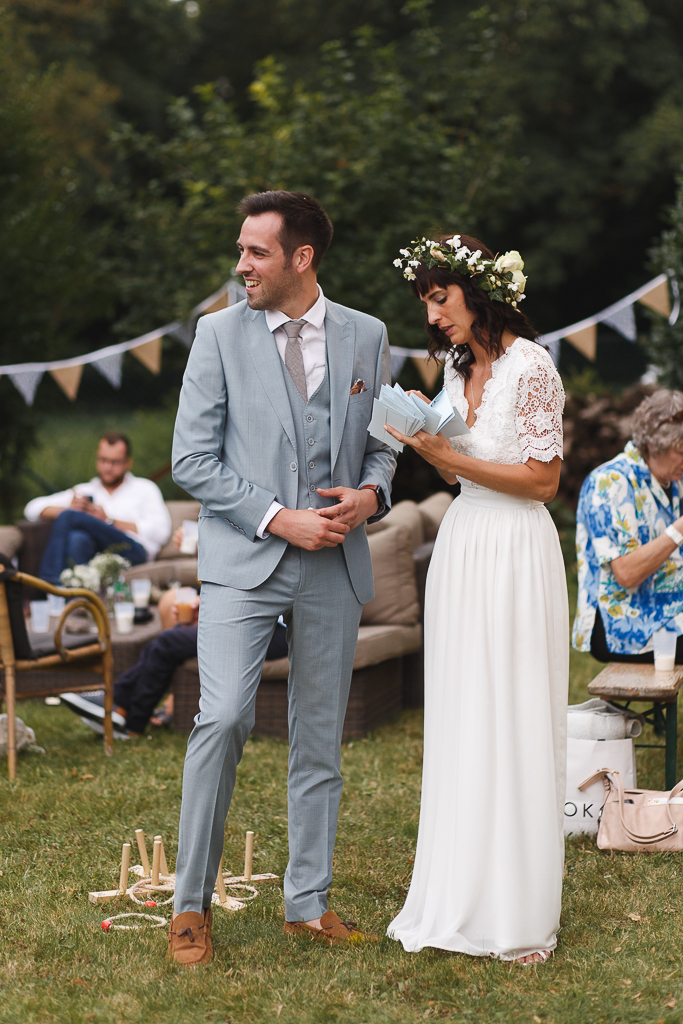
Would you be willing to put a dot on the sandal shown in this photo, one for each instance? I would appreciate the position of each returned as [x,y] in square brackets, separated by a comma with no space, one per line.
[161,719]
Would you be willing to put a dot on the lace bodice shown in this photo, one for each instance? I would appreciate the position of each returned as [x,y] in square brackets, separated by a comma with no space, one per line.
[520,416]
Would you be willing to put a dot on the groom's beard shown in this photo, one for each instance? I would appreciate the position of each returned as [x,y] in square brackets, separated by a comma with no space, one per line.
[276,292]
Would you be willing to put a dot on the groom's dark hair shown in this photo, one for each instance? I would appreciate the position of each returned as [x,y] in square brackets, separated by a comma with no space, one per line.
[304,222]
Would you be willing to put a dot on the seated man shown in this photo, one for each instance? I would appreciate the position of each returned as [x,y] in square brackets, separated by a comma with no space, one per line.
[629,530]
[114,510]
[138,690]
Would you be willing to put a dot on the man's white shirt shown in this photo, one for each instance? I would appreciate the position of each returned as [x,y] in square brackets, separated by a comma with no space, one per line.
[313,343]
[135,500]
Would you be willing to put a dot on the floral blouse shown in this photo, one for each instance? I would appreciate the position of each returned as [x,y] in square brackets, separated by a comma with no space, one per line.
[622,506]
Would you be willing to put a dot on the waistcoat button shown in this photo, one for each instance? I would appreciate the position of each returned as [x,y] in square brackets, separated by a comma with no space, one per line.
[311,441]
[292,466]
[311,465]
[310,419]
[312,487]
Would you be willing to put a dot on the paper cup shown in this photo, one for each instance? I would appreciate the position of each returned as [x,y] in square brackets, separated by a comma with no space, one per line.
[55,605]
[123,613]
[40,617]
[188,545]
[141,590]
[664,646]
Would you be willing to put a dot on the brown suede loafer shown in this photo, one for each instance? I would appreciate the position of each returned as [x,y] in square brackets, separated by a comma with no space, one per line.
[189,938]
[334,931]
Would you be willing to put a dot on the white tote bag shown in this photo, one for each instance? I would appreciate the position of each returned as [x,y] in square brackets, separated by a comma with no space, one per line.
[598,736]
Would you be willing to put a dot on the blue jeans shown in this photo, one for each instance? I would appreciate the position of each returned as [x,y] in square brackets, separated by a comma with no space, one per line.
[77,536]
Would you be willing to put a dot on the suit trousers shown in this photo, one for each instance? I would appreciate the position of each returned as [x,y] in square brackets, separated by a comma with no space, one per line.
[313,591]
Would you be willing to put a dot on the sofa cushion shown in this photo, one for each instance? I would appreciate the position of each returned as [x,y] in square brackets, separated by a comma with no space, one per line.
[10,541]
[407,514]
[178,511]
[432,510]
[181,569]
[375,644]
[396,601]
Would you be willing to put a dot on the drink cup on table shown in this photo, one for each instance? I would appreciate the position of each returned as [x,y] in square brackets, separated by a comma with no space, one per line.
[55,605]
[664,645]
[186,600]
[141,590]
[40,617]
[124,612]
[188,545]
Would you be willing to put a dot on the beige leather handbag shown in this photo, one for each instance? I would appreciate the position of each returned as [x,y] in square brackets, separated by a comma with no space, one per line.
[638,820]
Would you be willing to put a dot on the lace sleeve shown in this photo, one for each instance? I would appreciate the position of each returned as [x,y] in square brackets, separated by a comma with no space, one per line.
[538,413]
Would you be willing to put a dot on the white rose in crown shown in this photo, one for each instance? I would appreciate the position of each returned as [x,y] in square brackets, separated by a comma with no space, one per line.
[509,261]
[520,280]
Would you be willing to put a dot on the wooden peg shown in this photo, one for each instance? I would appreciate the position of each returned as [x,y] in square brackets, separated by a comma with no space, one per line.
[220,884]
[248,856]
[144,859]
[125,864]
[163,866]
[156,861]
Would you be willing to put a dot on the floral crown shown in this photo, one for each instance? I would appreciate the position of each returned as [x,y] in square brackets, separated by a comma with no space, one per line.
[501,277]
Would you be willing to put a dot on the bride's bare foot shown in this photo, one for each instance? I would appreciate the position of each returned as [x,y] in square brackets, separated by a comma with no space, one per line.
[533,958]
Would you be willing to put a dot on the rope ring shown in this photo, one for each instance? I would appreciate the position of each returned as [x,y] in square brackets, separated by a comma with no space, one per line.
[150,888]
[152,920]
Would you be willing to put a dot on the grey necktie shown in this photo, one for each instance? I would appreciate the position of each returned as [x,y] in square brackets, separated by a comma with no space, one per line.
[294,360]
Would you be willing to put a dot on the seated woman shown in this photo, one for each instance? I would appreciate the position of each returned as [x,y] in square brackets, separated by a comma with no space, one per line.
[629,529]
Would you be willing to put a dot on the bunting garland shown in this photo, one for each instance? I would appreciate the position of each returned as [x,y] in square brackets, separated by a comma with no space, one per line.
[67,373]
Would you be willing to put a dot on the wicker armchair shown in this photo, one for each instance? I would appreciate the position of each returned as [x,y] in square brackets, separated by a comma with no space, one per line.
[52,656]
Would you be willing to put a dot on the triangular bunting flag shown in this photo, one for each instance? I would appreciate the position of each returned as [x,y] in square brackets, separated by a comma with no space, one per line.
[429,370]
[585,340]
[623,321]
[149,354]
[26,383]
[396,366]
[220,302]
[110,368]
[658,299]
[69,379]
[185,333]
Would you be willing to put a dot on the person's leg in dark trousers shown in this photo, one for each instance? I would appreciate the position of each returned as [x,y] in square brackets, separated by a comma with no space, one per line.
[77,536]
[139,690]
[601,651]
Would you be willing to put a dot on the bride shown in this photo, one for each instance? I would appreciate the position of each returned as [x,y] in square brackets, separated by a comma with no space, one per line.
[488,867]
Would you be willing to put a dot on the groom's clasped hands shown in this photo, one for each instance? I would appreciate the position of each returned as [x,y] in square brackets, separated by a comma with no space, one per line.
[313,529]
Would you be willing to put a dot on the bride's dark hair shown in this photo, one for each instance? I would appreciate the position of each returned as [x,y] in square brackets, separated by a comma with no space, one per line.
[491,319]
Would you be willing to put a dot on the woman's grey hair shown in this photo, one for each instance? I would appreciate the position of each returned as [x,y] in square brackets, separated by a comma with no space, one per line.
[658,423]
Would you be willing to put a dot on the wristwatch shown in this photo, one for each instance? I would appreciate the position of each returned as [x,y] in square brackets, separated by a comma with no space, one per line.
[109,521]
[381,504]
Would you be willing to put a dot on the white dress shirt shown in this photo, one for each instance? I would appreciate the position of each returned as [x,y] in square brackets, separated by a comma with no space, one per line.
[314,353]
[135,500]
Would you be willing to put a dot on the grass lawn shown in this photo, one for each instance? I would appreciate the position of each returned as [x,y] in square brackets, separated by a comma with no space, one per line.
[61,829]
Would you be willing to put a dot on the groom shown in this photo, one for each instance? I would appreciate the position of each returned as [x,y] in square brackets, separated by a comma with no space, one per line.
[272,438]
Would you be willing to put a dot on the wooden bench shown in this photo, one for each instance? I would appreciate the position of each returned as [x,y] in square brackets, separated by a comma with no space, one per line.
[631,683]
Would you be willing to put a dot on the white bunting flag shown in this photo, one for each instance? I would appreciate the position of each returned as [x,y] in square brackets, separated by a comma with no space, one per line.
[110,368]
[26,383]
[624,322]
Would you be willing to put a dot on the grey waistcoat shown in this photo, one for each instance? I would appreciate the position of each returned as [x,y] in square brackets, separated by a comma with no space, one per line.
[313,444]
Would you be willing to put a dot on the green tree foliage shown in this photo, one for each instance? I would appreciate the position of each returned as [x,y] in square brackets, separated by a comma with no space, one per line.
[375,147]
[664,343]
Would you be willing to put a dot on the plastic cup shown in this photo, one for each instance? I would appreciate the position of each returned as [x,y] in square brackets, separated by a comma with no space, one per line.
[186,600]
[40,617]
[55,605]
[188,545]
[124,611]
[664,645]
[141,590]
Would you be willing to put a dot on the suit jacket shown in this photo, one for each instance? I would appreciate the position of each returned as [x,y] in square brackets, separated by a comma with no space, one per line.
[234,447]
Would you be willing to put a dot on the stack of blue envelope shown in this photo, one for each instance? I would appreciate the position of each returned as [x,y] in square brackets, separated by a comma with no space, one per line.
[408,414]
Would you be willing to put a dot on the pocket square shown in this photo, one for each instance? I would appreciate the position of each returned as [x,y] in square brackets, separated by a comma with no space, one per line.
[357,387]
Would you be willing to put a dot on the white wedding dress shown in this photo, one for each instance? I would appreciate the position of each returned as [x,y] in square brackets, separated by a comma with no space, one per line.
[490,852]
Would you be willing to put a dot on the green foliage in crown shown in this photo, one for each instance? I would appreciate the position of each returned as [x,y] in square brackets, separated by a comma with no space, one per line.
[501,277]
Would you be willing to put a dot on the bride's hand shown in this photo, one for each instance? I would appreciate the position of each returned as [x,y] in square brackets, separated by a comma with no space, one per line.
[419,395]
[434,448]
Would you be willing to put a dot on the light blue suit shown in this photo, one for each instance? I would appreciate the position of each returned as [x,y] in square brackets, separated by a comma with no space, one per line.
[238,446]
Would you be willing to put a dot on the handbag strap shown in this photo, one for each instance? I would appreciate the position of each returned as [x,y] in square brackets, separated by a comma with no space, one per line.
[613,778]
